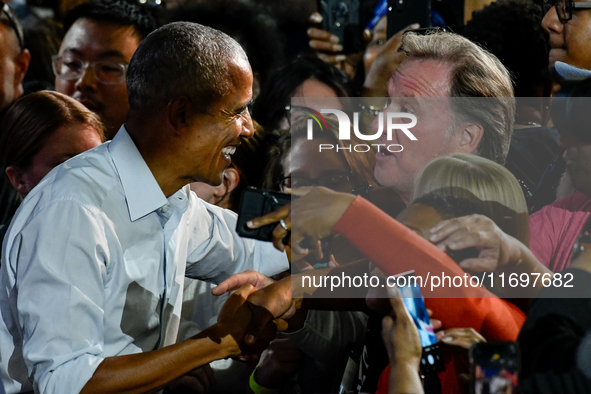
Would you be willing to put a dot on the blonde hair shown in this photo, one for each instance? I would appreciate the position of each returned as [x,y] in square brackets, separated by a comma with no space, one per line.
[470,176]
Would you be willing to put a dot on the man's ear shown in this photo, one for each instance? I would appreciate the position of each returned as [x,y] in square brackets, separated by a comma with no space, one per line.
[178,113]
[231,179]
[471,136]
[21,62]
[15,175]
[222,192]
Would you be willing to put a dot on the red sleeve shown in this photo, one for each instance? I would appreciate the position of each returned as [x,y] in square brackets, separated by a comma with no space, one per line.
[396,249]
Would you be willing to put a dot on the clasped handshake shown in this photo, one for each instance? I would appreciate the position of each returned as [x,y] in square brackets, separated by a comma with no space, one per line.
[258,305]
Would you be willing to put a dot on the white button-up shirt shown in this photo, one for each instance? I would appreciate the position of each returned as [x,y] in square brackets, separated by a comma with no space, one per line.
[93,266]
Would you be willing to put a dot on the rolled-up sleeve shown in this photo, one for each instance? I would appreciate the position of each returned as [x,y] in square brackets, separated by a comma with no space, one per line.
[58,281]
[219,252]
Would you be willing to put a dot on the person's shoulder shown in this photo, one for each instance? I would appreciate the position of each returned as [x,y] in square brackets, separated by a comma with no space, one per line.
[87,179]
[575,202]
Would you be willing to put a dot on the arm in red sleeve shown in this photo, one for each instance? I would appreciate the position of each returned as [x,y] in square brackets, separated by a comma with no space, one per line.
[396,249]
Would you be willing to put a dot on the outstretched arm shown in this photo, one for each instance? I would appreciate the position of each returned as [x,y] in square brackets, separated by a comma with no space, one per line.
[151,371]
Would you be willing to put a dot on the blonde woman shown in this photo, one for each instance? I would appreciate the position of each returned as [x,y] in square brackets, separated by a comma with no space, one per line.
[500,236]
[494,187]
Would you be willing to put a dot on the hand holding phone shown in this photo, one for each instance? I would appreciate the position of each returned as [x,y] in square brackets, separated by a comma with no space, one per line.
[341,18]
[254,204]
[431,361]
[317,209]
[400,334]
[403,343]
[401,13]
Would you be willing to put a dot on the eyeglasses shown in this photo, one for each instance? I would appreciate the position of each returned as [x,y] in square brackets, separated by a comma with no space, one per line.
[71,68]
[564,8]
[13,24]
[339,182]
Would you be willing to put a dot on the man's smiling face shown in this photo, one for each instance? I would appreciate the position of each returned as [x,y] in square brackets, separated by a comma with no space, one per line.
[216,134]
[415,79]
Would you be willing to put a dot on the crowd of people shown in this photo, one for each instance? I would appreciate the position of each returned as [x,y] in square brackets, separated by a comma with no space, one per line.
[129,130]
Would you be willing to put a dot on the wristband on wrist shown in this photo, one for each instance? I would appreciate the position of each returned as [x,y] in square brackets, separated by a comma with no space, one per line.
[257,388]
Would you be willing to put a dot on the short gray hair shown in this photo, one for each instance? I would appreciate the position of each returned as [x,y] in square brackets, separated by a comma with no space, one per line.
[181,58]
[477,73]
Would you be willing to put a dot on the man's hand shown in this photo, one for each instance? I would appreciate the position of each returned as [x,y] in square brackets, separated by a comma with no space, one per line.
[272,302]
[234,282]
[328,48]
[462,337]
[496,249]
[236,318]
[400,334]
[267,300]
[384,65]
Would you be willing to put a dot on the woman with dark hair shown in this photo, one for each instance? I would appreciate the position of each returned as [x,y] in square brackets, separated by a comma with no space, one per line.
[306,76]
[41,130]
[294,146]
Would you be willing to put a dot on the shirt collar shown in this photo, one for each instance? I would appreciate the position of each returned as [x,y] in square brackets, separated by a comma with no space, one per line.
[142,192]
[567,71]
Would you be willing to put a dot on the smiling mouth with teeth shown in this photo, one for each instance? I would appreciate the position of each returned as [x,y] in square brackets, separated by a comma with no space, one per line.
[228,151]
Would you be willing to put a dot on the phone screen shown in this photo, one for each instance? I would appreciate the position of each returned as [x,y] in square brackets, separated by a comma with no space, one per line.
[431,361]
[402,13]
[414,302]
[349,376]
[495,368]
[494,381]
[341,18]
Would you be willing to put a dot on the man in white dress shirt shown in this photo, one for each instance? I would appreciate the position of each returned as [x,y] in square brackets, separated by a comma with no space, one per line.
[94,261]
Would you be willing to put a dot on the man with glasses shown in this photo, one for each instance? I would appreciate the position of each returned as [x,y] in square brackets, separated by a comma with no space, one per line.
[569,25]
[101,37]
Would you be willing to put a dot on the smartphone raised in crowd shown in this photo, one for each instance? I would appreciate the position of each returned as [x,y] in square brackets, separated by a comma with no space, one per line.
[494,368]
[342,18]
[254,204]
[402,13]
[431,361]
[350,370]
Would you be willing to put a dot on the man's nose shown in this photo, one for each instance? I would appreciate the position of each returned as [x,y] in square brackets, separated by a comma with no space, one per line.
[247,126]
[87,79]
[551,23]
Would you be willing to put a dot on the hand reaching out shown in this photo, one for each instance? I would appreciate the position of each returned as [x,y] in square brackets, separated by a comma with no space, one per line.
[462,337]
[384,65]
[317,210]
[496,248]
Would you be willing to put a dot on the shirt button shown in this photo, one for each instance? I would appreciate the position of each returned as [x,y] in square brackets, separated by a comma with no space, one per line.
[164,209]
